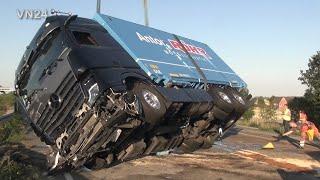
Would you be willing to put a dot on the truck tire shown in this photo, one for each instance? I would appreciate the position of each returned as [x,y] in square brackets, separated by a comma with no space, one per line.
[239,103]
[208,141]
[190,145]
[193,144]
[219,114]
[153,104]
[218,100]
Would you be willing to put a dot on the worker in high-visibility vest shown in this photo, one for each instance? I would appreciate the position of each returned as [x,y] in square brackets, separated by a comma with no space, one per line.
[307,129]
[286,117]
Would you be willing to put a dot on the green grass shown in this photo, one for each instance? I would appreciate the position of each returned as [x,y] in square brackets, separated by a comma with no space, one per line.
[10,170]
[11,132]
[6,102]
[265,126]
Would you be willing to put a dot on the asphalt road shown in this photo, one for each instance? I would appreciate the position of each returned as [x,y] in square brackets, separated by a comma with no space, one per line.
[238,156]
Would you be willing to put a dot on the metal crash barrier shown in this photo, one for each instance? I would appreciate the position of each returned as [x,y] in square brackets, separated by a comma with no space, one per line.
[6,117]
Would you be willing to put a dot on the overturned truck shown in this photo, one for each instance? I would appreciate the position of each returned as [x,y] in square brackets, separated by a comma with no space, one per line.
[102,91]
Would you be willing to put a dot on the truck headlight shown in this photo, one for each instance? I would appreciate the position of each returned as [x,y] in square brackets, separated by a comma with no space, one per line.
[151,99]
[93,93]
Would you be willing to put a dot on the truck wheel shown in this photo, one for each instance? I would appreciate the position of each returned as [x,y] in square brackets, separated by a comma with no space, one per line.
[219,114]
[190,145]
[208,141]
[193,144]
[239,102]
[153,105]
[221,99]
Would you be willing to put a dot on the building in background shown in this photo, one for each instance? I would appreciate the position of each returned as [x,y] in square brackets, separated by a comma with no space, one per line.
[280,103]
[5,90]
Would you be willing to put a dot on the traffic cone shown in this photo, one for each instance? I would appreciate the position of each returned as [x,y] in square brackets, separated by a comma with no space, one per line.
[268,146]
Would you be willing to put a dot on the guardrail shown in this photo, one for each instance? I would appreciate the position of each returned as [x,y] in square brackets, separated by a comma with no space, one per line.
[6,117]
[5,90]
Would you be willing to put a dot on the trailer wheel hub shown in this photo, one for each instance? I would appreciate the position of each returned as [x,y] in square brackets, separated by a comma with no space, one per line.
[239,99]
[224,97]
[151,99]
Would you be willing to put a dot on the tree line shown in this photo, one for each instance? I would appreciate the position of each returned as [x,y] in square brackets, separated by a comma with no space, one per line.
[310,102]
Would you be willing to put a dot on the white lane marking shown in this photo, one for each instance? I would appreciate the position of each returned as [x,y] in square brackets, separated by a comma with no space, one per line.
[68,176]
[182,65]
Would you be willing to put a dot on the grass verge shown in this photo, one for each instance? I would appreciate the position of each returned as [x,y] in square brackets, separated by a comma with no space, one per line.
[262,125]
[15,159]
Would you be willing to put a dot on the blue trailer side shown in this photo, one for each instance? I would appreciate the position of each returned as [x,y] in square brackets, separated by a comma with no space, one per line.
[161,56]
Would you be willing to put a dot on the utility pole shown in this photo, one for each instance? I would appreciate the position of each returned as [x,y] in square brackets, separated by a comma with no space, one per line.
[98,6]
[145,6]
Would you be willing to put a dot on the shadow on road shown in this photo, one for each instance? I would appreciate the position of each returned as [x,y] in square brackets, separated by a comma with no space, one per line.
[292,141]
[233,131]
[19,153]
[18,161]
[288,175]
[31,164]
[314,154]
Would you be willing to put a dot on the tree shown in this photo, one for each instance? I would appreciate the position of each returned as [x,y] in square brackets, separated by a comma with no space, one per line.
[268,113]
[297,104]
[260,102]
[311,78]
[248,114]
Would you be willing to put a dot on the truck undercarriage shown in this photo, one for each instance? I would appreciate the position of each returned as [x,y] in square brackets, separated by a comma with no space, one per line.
[122,126]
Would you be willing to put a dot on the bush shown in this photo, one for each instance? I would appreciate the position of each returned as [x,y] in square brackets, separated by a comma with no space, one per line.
[12,130]
[13,170]
[265,125]
[311,99]
[248,114]
[6,102]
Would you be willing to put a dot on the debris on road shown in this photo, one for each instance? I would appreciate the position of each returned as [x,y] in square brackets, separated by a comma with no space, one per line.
[276,162]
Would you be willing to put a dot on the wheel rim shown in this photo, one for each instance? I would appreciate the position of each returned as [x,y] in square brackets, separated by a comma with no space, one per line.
[224,96]
[151,99]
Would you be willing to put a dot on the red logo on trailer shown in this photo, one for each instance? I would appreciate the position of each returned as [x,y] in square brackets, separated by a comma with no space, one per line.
[190,48]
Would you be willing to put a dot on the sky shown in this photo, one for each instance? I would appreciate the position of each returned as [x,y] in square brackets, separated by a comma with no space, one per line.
[266,43]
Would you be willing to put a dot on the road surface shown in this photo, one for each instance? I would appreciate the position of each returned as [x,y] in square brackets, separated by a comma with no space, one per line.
[238,156]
